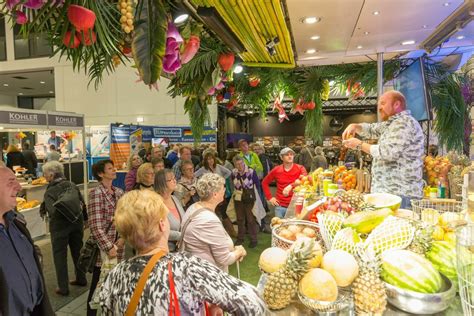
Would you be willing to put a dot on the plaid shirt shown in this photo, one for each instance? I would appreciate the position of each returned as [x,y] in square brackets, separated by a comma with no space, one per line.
[101,211]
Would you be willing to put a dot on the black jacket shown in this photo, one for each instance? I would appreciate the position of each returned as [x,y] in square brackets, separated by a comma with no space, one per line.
[15,159]
[31,161]
[44,308]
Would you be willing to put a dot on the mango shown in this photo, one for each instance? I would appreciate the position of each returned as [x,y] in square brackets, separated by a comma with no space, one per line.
[364,222]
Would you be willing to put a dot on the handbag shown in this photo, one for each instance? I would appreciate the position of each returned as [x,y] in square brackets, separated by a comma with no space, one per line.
[89,253]
[68,204]
[137,293]
[248,195]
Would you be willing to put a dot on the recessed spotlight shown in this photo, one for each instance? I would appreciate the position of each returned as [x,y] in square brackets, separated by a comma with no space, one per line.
[310,20]
[366,33]
[238,69]
[42,82]
[315,37]
[51,91]
[140,119]
[425,26]
[181,18]
[310,51]
[20,93]
[5,84]
[411,42]
[447,4]
[359,46]
[460,37]
[376,13]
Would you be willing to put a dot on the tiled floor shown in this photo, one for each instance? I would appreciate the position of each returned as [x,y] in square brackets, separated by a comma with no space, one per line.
[75,308]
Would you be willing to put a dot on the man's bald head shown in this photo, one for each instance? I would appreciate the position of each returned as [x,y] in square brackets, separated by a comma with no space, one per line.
[9,188]
[391,103]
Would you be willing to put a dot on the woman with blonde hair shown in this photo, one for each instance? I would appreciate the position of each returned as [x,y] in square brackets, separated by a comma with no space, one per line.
[176,282]
[203,233]
[15,157]
[133,162]
[145,177]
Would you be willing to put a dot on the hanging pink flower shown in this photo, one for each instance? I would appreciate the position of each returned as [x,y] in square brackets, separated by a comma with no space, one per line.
[34,4]
[190,49]
[171,60]
[20,17]
[12,3]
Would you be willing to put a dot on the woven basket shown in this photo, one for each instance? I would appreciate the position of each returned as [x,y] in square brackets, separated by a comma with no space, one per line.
[440,205]
[284,243]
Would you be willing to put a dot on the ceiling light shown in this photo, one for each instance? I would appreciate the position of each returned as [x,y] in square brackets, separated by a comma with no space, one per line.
[366,33]
[140,119]
[446,4]
[238,69]
[1,127]
[376,13]
[21,93]
[181,18]
[425,26]
[310,20]
[359,46]
[410,42]
[315,37]
[5,84]
[42,82]
[51,91]
[311,51]
[460,37]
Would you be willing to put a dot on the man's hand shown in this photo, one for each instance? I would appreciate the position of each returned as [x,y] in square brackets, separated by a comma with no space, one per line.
[286,191]
[351,130]
[273,201]
[352,143]
[112,252]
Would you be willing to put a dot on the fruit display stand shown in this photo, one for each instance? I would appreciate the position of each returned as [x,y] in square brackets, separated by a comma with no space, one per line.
[368,260]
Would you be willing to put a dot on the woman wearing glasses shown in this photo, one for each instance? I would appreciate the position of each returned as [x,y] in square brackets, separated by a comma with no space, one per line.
[165,185]
[186,188]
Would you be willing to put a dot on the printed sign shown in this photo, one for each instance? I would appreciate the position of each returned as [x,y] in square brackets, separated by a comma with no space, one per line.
[65,121]
[22,118]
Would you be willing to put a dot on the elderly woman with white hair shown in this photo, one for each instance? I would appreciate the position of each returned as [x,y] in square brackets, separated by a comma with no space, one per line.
[202,231]
[64,205]
[175,283]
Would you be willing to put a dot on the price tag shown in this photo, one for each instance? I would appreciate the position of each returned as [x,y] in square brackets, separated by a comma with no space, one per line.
[276,142]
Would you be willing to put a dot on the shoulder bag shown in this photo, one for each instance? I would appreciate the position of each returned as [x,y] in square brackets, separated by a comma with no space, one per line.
[89,253]
[68,203]
[248,195]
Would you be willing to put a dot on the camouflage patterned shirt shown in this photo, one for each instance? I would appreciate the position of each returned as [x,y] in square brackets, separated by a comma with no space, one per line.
[397,165]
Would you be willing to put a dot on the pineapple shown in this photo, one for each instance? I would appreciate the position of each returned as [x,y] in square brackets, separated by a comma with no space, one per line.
[282,285]
[422,239]
[353,197]
[368,289]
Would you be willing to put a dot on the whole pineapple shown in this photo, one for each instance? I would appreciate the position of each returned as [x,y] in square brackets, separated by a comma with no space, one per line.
[422,239]
[353,197]
[369,291]
[282,285]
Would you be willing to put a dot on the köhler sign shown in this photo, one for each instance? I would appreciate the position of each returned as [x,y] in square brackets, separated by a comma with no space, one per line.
[65,120]
[22,118]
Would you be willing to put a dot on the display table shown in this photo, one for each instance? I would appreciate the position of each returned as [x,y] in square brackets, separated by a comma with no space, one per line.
[33,192]
[35,224]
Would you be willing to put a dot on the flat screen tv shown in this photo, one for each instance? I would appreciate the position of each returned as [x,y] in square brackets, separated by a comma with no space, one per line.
[411,82]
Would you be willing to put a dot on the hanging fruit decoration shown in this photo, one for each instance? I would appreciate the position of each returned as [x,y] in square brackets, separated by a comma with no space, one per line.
[230,105]
[190,49]
[220,97]
[126,20]
[171,61]
[326,90]
[20,17]
[88,37]
[354,90]
[71,40]
[254,81]
[310,105]
[226,61]
[83,19]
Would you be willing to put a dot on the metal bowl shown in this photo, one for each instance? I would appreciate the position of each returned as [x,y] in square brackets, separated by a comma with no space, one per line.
[421,303]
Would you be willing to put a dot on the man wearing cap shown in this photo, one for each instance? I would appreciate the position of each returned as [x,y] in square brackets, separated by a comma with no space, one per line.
[284,175]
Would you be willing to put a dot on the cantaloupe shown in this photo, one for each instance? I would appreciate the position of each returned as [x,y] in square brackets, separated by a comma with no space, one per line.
[272,259]
[319,285]
[341,265]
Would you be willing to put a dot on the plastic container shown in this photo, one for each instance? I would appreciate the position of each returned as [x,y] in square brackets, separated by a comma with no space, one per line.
[332,189]
[433,193]
[326,183]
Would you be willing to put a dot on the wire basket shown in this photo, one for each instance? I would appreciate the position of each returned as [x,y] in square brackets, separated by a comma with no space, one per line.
[465,266]
[430,211]
[343,301]
[278,241]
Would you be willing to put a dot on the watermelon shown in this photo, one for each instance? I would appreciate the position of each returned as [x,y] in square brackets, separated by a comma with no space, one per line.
[410,271]
[443,256]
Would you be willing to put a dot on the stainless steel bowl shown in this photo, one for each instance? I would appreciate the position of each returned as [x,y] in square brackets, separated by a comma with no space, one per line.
[421,303]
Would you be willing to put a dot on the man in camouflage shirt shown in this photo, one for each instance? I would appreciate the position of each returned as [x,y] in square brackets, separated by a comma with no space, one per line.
[397,166]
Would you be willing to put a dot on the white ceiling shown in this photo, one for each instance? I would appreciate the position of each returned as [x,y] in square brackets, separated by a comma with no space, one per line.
[33,81]
[344,23]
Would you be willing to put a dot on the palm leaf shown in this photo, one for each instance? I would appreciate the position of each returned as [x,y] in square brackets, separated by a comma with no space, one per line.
[149,41]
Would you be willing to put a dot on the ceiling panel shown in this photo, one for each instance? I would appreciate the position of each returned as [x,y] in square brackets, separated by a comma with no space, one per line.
[36,83]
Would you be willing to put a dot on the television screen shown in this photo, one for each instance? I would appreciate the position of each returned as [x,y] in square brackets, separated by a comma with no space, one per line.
[411,82]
